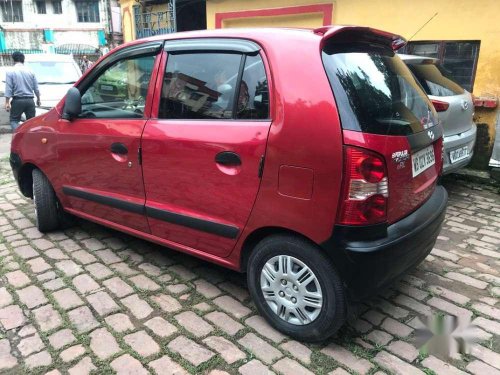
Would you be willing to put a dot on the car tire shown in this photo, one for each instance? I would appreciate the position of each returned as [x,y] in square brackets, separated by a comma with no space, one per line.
[309,274]
[48,217]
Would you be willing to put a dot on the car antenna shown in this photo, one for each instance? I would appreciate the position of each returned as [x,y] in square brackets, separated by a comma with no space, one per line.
[429,20]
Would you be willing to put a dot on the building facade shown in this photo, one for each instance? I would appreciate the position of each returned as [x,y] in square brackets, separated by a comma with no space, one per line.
[41,25]
[462,34]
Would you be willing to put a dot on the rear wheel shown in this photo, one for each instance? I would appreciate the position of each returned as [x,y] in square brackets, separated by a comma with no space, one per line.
[296,288]
[46,205]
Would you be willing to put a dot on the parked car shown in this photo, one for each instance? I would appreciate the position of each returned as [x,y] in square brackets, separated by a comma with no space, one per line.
[455,108]
[317,176]
[55,75]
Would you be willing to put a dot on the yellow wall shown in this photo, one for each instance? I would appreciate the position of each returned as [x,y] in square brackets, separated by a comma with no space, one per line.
[455,20]
[128,19]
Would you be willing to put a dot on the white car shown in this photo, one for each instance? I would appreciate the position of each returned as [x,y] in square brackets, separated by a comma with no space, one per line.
[55,74]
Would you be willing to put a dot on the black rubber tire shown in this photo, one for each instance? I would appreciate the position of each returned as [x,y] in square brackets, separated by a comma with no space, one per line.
[333,313]
[46,204]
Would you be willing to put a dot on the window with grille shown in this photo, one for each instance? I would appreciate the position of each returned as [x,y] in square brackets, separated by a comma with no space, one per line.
[458,58]
[40,7]
[57,7]
[12,11]
[87,11]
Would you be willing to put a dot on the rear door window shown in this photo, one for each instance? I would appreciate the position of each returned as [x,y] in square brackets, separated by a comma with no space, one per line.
[435,80]
[375,92]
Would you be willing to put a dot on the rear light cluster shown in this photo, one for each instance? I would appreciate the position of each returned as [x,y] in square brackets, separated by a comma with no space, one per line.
[365,189]
[440,106]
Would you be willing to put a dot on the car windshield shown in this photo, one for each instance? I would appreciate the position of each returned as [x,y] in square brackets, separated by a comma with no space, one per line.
[375,91]
[435,80]
[56,72]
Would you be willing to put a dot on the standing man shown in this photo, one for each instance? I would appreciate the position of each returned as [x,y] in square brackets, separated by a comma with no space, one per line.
[20,88]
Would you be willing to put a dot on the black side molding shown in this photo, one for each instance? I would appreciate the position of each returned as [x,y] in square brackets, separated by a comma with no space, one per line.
[212,44]
[219,229]
[103,199]
[212,227]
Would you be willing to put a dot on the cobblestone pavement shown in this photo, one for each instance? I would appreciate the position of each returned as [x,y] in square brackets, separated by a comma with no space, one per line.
[91,299]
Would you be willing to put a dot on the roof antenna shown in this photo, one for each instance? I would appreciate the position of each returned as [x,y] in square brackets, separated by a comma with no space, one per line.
[416,32]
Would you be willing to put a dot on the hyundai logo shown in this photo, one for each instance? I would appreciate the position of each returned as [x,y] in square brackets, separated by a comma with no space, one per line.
[465,105]
[430,133]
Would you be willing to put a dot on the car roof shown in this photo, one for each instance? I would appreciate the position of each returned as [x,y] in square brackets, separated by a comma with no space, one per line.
[414,59]
[54,57]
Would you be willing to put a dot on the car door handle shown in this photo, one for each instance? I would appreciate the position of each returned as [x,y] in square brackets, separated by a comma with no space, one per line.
[228,158]
[119,148]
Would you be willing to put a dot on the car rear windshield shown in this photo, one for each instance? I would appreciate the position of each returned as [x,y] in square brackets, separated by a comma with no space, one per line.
[54,72]
[375,92]
[435,80]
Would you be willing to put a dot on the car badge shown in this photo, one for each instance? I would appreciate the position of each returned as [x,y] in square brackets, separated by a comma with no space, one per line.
[430,133]
[465,105]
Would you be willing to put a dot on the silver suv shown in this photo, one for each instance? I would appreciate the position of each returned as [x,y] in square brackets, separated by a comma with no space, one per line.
[455,108]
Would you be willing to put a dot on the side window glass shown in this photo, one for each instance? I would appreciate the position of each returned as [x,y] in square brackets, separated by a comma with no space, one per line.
[119,92]
[253,97]
[199,86]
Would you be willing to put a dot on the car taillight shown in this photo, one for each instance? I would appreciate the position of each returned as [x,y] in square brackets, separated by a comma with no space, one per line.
[439,105]
[365,189]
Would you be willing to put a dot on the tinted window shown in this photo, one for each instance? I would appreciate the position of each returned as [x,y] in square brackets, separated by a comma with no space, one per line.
[119,92]
[433,80]
[200,86]
[375,91]
[253,98]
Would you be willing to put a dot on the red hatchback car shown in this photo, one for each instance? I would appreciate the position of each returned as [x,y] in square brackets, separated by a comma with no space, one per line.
[308,159]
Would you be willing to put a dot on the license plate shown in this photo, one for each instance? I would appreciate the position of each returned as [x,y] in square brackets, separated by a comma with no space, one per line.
[422,160]
[459,154]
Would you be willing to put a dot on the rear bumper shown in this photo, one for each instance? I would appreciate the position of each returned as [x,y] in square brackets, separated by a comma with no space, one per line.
[367,266]
[453,142]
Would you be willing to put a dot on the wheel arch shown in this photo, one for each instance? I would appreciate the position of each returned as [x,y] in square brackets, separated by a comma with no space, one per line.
[26,179]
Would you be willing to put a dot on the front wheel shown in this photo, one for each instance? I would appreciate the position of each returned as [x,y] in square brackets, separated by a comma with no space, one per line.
[296,288]
[46,204]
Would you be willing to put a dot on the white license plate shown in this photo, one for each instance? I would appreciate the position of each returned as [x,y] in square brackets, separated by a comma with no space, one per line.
[459,154]
[422,160]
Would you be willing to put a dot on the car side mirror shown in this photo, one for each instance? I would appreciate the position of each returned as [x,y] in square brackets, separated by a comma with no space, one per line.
[72,104]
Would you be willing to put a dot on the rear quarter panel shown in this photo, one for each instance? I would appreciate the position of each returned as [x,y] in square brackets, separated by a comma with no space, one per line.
[305,134]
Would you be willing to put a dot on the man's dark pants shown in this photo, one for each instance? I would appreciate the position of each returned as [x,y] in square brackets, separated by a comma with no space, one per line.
[20,106]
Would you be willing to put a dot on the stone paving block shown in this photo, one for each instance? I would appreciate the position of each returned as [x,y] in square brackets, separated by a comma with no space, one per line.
[49,275]
[83,367]
[47,318]
[72,353]
[403,349]
[161,327]
[374,317]
[298,350]
[69,245]
[254,367]
[237,292]
[27,330]
[481,368]
[287,366]
[361,326]
[11,317]
[413,304]
[190,350]
[5,297]
[38,360]
[440,367]
[32,296]
[68,267]
[396,328]
[232,306]
[98,271]
[103,344]
[224,322]
[202,306]
[26,252]
[487,325]
[177,288]
[341,371]
[83,257]
[108,257]
[167,303]
[142,343]
[144,283]
[7,360]
[85,284]
[119,322]
[449,295]
[67,299]
[450,308]
[38,265]
[347,359]
[56,254]
[165,366]
[118,287]
[92,244]
[489,311]
[379,337]
[126,364]
[396,365]
[486,355]
[228,351]
[207,289]
[61,338]
[54,284]
[182,272]
[17,279]
[82,319]
[137,306]
[262,350]
[150,269]
[102,303]
[194,324]
[264,329]
[42,244]
[30,345]
[467,280]
[124,269]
